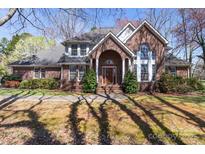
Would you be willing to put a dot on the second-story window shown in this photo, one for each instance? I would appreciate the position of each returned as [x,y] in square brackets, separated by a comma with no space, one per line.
[144,52]
[83,49]
[74,50]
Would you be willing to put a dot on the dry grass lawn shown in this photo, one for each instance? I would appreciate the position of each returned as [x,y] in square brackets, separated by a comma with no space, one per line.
[140,119]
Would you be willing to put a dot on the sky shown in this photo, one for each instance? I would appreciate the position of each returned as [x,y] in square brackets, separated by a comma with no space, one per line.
[108,21]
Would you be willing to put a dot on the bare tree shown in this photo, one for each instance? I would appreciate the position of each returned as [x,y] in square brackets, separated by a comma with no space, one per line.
[56,21]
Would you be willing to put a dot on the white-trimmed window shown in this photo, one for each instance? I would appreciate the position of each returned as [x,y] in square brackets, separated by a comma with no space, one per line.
[82,69]
[83,48]
[74,50]
[144,52]
[144,72]
[73,72]
[39,73]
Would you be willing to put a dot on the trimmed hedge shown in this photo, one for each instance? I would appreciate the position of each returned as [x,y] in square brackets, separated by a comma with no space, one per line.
[175,84]
[89,81]
[10,78]
[39,84]
[130,84]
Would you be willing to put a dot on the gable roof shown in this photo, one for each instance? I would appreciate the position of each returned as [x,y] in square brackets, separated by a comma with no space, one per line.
[125,27]
[150,27]
[110,34]
[171,60]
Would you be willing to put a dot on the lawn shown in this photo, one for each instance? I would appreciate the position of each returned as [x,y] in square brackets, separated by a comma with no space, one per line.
[103,119]
[34,92]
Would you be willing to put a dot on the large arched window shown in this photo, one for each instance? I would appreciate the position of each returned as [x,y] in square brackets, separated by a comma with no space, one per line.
[144,49]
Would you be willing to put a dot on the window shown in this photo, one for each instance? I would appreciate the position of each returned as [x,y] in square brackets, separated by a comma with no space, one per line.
[39,73]
[144,72]
[153,56]
[74,50]
[173,70]
[83,49]
[73,72]
[153,72]
[82,69]
[43,73]
[144,52]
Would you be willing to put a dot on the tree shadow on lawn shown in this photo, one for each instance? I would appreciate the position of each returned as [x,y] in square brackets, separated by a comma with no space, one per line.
[103,137]
[41,135]
[145,127]
[168,132]
[11,99]
[77,135]
[199,122]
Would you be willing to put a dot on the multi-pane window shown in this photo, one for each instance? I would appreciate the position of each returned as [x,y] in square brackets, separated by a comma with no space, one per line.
[74,50]
[73,72]
[144,72]
[153,56]
[83,49]
[82,69]
[39,73]
[153,72]
[144,52]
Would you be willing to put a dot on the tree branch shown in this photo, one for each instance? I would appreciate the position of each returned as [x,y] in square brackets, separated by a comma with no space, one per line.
[9,15]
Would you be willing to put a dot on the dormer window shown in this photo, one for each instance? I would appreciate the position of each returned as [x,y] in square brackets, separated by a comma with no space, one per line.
[74,50]
[144,52]
[83,49]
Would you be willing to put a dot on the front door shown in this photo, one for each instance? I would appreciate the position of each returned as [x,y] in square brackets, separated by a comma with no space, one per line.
[109,75]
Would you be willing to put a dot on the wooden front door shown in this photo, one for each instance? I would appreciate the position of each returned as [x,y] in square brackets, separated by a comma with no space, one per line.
[109,75]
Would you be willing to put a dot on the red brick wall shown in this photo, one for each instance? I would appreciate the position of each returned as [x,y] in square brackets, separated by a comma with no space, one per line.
[53,73]
[24,72]
[144,35]
[182,71]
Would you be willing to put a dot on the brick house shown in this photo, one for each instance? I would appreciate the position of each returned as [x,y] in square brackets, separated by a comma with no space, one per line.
[111,52]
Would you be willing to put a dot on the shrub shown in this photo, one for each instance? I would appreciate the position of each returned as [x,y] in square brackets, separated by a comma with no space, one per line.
[169,84]
[130,84]
[195,84]
[39,83]
[10,78]
[89,81]
[183,89]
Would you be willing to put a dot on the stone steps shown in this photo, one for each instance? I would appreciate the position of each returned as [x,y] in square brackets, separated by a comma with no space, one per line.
[109,89]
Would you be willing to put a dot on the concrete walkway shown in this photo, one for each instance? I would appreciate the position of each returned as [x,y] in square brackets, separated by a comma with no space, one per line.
[70,98]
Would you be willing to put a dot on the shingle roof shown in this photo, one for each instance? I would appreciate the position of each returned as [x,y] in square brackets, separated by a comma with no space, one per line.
[171,60]
[93,37]
[49,56]
[73,60]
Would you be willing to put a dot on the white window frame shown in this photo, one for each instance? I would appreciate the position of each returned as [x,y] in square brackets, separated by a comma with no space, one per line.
[76,50]
[40,73]
[138,61]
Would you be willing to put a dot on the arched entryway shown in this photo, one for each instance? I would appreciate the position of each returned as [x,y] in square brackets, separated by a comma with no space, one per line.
[110,68]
